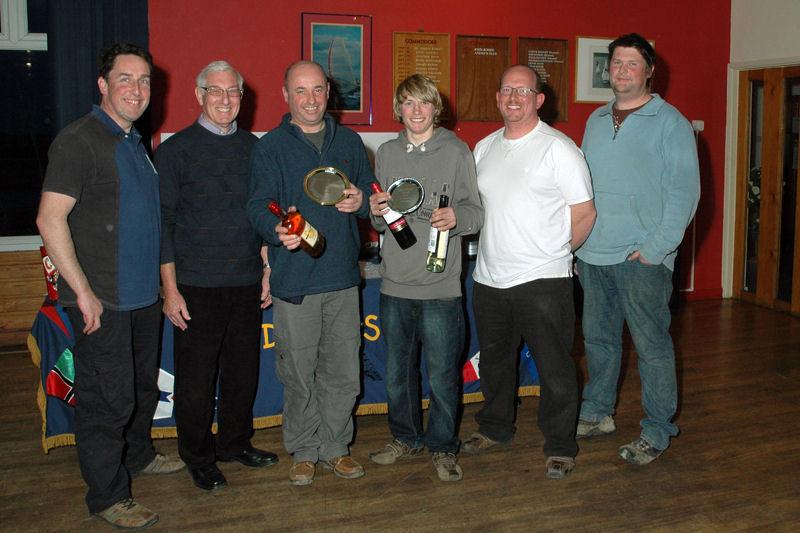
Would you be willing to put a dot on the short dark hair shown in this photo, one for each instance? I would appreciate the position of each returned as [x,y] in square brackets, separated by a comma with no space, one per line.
[634,40]
[108,55]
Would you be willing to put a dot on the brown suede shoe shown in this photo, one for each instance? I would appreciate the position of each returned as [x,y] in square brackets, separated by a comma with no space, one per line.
[302,473]
[345,466]
[127,514]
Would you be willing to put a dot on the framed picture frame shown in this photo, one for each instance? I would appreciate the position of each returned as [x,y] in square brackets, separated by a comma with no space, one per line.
[342,44]
[591,70]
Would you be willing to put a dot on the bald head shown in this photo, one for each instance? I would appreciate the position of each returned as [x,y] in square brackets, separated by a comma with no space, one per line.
[519,109]
[305,89]
[524,70]
[297,64]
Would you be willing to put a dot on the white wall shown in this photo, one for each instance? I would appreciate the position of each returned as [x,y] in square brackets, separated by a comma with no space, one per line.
[765,31]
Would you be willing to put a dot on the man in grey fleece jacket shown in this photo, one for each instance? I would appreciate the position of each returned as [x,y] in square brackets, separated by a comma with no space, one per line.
[418,307]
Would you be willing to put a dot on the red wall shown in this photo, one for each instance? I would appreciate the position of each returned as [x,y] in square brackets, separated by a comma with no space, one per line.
[261,37]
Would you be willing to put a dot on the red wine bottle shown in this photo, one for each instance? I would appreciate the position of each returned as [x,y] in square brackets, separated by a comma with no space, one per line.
[311,240]
[397,224]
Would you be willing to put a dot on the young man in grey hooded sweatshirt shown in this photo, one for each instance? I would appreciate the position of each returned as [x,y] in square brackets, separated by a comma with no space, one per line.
[420,308]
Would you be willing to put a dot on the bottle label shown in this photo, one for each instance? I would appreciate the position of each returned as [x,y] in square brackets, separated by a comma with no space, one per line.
[391,216]
[441,248]
[432,240]
[398,224]
[310,235]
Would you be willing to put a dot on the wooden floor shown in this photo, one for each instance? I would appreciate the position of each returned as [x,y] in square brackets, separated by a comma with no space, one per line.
[735,466]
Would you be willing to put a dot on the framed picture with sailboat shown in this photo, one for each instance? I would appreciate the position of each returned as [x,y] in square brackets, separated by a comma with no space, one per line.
[342,44]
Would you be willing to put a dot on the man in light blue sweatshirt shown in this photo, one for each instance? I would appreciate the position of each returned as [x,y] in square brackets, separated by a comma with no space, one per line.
[642,155]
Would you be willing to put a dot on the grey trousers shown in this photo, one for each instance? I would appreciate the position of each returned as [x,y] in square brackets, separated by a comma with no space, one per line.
[317,360]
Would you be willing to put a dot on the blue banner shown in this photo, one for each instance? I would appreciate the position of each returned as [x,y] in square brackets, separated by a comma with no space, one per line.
[47,338]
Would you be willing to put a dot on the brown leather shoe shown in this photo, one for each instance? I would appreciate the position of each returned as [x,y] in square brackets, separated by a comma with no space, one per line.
[345,466]
[302,473]
[127,514]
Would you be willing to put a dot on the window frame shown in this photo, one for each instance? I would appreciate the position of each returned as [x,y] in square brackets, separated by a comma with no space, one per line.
[14,33]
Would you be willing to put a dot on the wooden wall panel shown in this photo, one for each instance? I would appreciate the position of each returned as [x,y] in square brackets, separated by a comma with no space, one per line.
[22,290]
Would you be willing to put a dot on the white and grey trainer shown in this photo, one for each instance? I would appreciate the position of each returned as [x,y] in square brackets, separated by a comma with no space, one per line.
[392,452]
[604,426]
[447,466]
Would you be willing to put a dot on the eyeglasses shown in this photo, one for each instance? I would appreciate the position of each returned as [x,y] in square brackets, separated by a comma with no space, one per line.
[234,92]
[507,90]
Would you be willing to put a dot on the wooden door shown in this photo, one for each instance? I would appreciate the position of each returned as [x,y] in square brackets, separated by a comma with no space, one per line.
[767,242]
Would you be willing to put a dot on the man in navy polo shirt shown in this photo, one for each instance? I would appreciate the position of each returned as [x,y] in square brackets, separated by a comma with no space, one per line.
[99,218]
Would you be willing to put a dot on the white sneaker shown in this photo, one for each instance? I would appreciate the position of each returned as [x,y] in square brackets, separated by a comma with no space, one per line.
[392,452]
[447,467]
[604,426]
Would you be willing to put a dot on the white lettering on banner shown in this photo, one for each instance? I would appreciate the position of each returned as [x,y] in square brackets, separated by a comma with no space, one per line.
[166,385]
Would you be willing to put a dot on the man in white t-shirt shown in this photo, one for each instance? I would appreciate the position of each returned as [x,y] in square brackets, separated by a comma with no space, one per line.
[537,197]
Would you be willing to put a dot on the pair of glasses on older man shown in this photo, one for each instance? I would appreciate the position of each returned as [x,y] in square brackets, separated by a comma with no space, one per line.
[233,92]
[522,92]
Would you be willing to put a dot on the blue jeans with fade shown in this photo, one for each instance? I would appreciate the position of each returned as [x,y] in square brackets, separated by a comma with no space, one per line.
[639,295]
[438,327]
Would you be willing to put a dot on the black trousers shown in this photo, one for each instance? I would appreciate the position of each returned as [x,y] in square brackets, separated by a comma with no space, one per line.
[220,344]
[116,393]
[542,312]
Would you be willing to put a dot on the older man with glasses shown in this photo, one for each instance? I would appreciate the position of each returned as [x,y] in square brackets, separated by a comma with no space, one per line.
[537,197]
[215,279]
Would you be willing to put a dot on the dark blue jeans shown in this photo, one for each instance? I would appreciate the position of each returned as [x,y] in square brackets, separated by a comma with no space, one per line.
[639,295]
[438,327]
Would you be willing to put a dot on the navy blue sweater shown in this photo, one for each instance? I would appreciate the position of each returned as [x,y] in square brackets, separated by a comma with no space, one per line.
[278,166]
[205,230]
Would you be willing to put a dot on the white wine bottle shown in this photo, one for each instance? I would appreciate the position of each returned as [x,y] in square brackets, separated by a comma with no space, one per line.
[437,244]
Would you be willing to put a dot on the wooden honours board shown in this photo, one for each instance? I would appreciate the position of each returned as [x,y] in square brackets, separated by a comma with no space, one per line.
[423,53]
[548,57]
[480,61]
